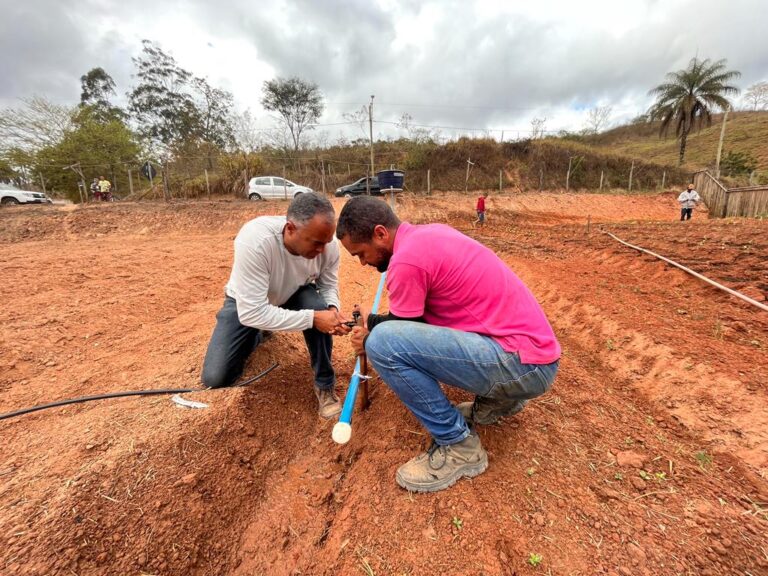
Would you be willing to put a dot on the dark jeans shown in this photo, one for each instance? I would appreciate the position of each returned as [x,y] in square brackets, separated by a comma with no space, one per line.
[231,343]
[685,213]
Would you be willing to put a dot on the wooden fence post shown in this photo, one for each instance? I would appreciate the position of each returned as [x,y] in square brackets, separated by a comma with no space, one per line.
[166,191]
[130,182]
[322,174]
[631,170]
[207,184]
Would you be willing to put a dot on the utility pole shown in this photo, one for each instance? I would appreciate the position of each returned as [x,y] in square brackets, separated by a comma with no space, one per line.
[370,127]
[469,168]
[720,144]
[81,188]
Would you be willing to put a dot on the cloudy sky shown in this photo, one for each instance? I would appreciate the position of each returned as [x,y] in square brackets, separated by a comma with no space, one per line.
[482,64]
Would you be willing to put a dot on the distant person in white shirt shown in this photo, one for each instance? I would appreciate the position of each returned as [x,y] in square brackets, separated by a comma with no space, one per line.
[284,278]
[688,200]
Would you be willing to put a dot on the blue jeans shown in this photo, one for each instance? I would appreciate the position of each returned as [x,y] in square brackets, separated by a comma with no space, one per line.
[231,343]
[413,358]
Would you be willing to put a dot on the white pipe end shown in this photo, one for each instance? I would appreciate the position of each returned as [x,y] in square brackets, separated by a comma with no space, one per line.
[342,432]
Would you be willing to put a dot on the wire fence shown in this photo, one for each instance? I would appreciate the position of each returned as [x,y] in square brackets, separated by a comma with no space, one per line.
[464,166]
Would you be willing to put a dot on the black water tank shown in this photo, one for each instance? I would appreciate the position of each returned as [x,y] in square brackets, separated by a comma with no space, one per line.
[391,179]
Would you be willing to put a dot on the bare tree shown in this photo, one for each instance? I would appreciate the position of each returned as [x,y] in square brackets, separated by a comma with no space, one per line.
[247,136]
[597,119]
[36,124]
[757,96]
[360,119]
[538,128]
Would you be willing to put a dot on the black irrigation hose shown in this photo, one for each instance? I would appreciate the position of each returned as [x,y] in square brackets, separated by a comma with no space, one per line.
[129,393]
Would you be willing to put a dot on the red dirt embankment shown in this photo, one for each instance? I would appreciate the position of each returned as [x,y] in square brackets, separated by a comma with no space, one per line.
[649,456]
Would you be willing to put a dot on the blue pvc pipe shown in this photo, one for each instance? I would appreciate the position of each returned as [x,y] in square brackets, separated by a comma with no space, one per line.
[349,400]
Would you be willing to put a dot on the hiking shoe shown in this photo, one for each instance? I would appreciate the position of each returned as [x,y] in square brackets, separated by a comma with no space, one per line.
[329,404]
[485,411]
[441,466]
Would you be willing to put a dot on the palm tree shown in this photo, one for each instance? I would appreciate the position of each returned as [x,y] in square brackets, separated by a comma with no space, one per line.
[688,97]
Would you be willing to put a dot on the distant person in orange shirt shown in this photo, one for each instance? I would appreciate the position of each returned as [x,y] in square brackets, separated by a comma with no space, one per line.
[480,210]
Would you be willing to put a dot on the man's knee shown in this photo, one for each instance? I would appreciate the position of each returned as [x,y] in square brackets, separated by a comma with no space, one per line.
[382,342]
[216,377]
[306,298]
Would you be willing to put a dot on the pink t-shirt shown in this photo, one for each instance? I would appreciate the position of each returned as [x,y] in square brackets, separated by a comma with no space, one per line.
[453,281]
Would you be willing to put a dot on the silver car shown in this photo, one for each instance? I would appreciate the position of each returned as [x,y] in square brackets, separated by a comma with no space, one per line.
[263,187]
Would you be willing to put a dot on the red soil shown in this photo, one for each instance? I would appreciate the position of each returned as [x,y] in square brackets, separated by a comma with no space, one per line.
[649,456]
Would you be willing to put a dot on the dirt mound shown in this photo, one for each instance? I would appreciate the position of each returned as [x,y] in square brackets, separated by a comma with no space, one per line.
[649,456]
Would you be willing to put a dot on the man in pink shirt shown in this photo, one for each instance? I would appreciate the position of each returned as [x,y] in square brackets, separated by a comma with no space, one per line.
[457,315]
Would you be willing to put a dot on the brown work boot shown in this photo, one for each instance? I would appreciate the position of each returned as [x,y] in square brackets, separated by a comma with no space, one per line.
[329,404]
[485,411]
[441,466]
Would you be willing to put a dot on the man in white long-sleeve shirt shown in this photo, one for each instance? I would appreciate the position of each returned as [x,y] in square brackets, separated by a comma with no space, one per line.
[284,278]
[688,200]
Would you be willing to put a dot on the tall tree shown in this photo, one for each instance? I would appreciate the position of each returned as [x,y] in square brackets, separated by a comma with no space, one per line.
[215,113]
[299,103]
[161,103]
[689,96]
[99,147]
[97,87]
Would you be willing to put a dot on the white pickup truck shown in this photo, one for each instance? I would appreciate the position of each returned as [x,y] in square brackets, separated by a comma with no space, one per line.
[11,195]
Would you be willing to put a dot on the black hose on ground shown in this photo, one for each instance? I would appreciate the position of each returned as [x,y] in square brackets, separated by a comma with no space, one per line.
[129,393]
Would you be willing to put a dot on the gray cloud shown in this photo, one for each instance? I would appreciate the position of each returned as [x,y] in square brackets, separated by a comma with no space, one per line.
[475,71]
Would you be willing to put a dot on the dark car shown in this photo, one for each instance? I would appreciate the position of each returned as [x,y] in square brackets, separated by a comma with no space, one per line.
[358,188]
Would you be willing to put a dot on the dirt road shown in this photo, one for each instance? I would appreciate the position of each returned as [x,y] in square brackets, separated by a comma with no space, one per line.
[649,456]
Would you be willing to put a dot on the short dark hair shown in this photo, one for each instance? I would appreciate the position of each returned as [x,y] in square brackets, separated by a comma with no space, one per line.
[361,215]
[306,206]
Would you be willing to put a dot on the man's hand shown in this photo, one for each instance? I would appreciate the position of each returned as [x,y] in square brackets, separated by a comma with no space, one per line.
[329,322]
[358,336]
[342,328]
[364,313]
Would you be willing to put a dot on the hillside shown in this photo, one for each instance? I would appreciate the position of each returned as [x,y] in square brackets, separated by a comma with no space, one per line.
[745,132]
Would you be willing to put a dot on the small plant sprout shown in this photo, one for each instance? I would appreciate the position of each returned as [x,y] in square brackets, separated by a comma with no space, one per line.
[534,559]
[618,476]
[531,471]
[644,475]
[457,522]
[703,458]
[609,344]
[660,476]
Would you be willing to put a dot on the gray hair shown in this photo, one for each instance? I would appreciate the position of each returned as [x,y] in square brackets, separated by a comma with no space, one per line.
[306,206]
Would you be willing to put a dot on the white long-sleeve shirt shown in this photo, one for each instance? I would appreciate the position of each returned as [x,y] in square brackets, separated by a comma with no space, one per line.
[689,198]
[265,275]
